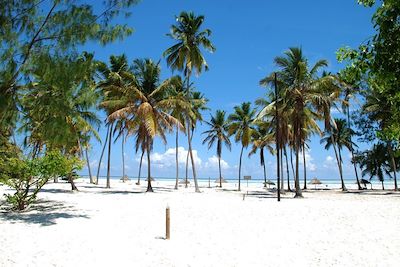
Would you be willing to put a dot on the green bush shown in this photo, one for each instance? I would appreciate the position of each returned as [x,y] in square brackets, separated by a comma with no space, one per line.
[27,177]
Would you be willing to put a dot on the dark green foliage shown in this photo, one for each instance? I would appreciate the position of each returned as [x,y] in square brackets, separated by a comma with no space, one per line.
[375,65]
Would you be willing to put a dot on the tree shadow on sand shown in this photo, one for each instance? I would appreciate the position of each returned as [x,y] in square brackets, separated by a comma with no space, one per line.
[43,213]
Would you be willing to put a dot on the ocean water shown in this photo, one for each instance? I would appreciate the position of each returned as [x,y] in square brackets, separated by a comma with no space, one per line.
[326,183]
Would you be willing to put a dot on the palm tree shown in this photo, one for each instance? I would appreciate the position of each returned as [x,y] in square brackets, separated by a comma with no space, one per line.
[241,125]
[218,128]
[301,91]
[146,113]
[181,109]
[349,92]
[186,56]
[375,162]
[115,85]
[262,139]
[339,136]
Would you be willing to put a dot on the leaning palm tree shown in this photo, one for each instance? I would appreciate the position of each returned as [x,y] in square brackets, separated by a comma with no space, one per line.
[186,56]
[262,139]
[146,114]
[339,136]
[241,125]
[375,162]
[217,133]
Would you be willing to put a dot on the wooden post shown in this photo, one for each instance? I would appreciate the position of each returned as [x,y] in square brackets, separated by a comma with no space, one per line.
[209,185]
[167,224]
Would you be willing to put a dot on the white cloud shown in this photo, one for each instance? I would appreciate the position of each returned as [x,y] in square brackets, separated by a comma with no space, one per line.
[167,159]
[212,162]
[330,163]
[309,161]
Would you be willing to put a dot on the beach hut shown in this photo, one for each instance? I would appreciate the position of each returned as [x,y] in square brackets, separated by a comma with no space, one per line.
[269,182]
[184,181]
[315,182]
[151,179]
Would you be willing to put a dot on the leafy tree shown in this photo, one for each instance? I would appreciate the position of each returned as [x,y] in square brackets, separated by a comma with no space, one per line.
[218,133]
[31,29]
[186,56]
[241,126]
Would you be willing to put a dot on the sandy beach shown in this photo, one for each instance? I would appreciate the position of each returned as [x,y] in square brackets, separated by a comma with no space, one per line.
[123,226]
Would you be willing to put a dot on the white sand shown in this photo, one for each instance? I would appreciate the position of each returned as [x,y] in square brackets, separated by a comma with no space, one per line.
[123,226]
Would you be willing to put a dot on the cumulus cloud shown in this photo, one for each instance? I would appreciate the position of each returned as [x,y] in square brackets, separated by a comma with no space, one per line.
[330,163]
[212,162]
[309,161]
[167,159]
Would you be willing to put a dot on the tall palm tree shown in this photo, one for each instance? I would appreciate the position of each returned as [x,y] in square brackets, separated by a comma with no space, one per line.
[241,125]
[186,56]
[349,93]
[181,109]
[146,113]
[302,98]
[218,132]
[115,84]
[339,136]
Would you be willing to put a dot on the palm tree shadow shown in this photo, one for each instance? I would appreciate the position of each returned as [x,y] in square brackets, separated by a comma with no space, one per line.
[43,213]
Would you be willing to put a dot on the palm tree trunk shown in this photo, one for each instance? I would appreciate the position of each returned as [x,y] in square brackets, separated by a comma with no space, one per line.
[240,166]
[282,171]
[393,162]
[339,163]
[140,167]
[149,187]
[196,186]
[187,170]
[383,187]
[88,166]
[109,157]
[263,164]
[291,163]
[176,157]
[101,156]
[220,174]
[123,158]
[287,169]
[304,167]
[187,164]
[297,180]
[352,150]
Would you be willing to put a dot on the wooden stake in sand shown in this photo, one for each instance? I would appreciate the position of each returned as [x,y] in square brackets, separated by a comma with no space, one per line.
[167,224]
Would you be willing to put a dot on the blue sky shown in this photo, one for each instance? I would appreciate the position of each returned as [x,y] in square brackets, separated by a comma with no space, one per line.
[247,35]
